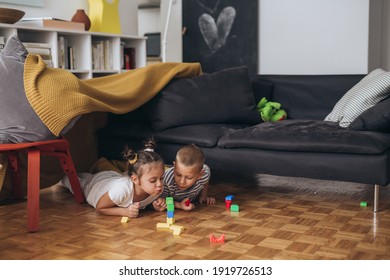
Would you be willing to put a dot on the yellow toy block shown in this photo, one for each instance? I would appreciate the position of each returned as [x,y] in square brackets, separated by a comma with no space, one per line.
[170,221]
[163,225]
[177,230]
[125,220]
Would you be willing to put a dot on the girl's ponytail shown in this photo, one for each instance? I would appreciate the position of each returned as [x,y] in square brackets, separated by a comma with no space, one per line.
[137,160]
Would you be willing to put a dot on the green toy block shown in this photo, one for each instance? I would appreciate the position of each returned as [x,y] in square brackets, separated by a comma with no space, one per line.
[169,200]
[234,208]
[170,207]
[363,203]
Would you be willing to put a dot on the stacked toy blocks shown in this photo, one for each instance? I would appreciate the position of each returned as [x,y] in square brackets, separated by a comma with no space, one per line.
[170,210]
[170,218]
[229,205]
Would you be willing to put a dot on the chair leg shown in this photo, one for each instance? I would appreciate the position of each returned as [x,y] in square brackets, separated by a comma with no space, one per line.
[14,163]
[33,188]
[68,167]
[76,187]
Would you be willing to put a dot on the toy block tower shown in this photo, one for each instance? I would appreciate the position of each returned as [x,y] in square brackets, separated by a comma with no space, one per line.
[177,230]
[170,210]
[228,201]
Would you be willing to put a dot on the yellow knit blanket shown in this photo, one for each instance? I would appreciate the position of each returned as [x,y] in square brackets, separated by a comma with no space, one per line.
[57,96]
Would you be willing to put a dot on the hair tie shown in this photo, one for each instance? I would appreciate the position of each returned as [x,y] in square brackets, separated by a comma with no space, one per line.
[133,160]
[148,150]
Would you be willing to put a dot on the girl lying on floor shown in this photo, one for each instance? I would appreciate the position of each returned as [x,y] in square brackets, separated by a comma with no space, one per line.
[124,194]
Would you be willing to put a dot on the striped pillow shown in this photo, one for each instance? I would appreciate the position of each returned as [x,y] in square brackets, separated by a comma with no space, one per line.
[371,90]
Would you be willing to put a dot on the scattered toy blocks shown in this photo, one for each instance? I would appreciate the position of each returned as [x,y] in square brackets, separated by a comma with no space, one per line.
[125,220]
[229,205]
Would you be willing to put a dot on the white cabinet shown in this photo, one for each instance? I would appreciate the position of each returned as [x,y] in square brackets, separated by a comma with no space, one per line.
[65,44]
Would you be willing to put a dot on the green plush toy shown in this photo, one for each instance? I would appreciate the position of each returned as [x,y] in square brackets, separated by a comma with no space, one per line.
[270,111]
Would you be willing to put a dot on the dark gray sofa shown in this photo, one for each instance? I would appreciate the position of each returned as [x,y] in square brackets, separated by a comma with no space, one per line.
[302,146]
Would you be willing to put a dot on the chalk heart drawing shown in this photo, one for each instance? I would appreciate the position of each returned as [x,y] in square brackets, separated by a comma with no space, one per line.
[216,33]
[209,5]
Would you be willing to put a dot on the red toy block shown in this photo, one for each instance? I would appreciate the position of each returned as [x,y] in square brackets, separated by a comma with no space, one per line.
[220,239]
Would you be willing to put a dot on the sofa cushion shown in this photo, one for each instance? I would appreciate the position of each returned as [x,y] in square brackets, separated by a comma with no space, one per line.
[376,118]
[261,88]
[306,136]
[309,97]
[18,122]
[222,97]
[204,135]
[367,93]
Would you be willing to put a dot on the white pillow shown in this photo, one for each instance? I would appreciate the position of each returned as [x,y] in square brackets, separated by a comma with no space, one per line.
[371,90]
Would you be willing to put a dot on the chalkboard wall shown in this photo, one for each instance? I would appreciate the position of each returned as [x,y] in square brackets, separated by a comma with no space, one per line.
[221,33]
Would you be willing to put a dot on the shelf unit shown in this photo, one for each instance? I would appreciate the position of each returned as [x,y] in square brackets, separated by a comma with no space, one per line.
[81,41]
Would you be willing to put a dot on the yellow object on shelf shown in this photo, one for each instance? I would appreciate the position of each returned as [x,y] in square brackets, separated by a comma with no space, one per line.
[104,16]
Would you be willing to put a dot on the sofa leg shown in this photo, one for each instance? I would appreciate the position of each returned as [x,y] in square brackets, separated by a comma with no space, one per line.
[376,198]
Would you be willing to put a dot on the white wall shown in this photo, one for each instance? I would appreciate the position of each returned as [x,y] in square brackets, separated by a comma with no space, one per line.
[149,21]
[65,9]
[313,36]
[174,35]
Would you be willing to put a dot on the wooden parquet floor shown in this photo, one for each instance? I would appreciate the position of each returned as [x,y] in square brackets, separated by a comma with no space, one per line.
[273,223]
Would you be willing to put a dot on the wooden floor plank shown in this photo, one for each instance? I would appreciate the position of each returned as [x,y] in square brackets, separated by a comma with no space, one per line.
[284,220]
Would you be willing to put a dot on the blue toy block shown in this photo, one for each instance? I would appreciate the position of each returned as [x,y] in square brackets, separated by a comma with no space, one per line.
[229,197]
[170,214]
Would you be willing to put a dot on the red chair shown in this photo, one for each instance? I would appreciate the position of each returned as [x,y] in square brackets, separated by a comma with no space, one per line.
[56,148]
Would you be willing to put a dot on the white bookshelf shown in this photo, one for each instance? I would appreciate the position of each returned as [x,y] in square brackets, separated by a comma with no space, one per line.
[82,42]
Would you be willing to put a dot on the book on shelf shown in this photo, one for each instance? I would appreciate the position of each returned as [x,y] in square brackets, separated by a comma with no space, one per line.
[71,58]
[62,53]
[36,45]
[122,55]
[52,23]
[2,42]
[102,55]
[42,49]
[129,58]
